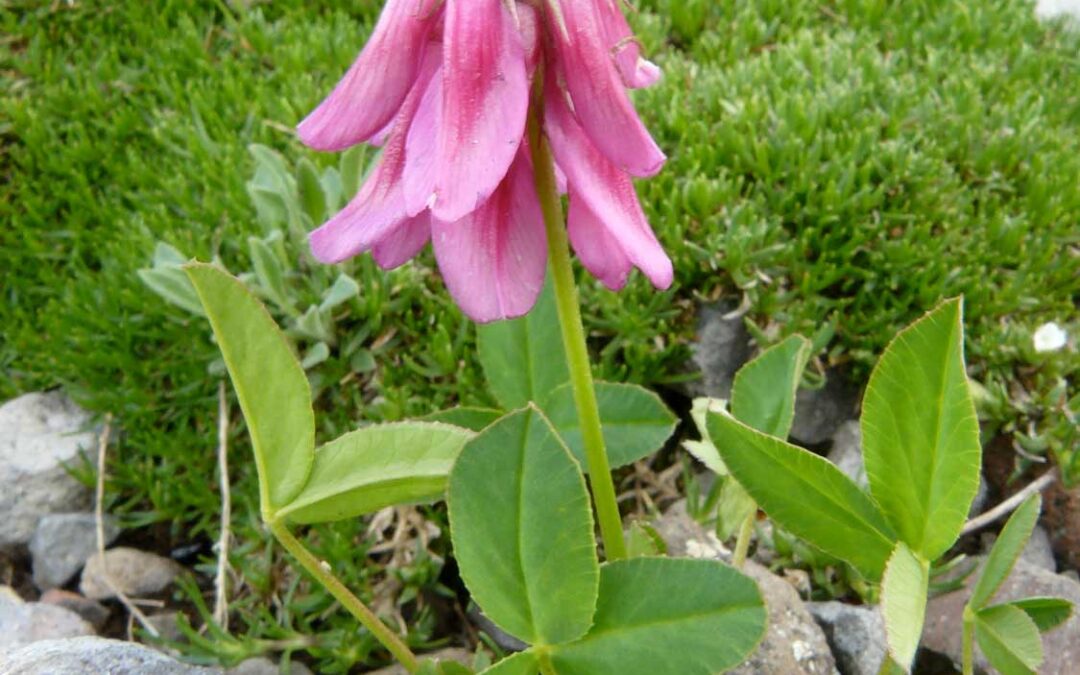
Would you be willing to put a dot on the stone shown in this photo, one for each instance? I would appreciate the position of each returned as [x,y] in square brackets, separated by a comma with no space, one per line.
[1039,552]
[1061,518]
[846,452]
[134,573]
[506,641]
[820,412]
[261,665]
[461,656]
[93,612]
[723,345]
[856,635]
[40,434]
[93,656]
[1061,646]
[22,623]
[794,644]
[61,545]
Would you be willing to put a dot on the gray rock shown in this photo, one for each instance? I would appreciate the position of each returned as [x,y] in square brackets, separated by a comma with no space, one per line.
[93,612]
[132,572]
[1039,552]
[40,433]
[794,644]
[855,634]
[723,345]
[93,656]
[263,666]
[61,545]
[452,654]
[22,623]
[820,412]
[846,452]
[1061,646]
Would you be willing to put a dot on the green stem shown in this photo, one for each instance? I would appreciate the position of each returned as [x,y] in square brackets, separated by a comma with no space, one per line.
[356,607]
[742,544]
[577,353]
[968,663]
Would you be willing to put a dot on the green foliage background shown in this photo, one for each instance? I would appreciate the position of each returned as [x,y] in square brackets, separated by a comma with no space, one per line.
[841,162]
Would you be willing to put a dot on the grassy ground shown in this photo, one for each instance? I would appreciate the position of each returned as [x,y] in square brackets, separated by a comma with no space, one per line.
[841,165]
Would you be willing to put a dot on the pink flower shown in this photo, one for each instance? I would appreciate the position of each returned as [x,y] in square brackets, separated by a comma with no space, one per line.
[444,86]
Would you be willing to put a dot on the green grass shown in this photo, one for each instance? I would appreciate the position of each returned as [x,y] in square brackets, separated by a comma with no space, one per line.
[843,164]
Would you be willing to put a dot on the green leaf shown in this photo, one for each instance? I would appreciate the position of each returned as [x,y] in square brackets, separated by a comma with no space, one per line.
[643,540]
[524,359]
[704,450]
[173,286]
[310,186]
[1047,613]
[522,663]
[920,433]
[903,603]
[375,467]
[269,272]
[344,289]
[763,394]
[733,507]
[1009,639]
[475,419]
[1006,551]
[805,494]
[273,391]
[523,530]
[635,421]
[351,166]
[667,615]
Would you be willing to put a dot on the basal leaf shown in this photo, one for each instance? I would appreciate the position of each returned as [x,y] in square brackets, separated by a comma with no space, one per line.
[704,450]
[763,394]
[903,603]
[375,467]
[273,391]
[523,530]
[522,663]
[524,359]
[1047,613]
[667,615]
[172,285]
[920,434]
[643,540]
[805,494]
[1009,639]
[636,423]
[1006,551]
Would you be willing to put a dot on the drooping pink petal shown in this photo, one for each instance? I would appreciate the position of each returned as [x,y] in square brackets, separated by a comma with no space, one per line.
[597,250]
[379,207]
[604,208]
[484,103]
[376,85]
[494,259]
[597,89]
[420,149]
[403,243]
[636,72]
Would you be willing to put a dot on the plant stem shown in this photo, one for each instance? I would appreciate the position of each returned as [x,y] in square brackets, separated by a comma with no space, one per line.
[546,666]
[968,663]
[742,544]
[356,607]
[577,353]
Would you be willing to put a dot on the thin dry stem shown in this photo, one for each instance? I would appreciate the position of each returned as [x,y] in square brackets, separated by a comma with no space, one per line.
[1009,505]
[221,580]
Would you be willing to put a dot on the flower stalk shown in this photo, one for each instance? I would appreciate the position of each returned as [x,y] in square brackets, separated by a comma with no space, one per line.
[573,333]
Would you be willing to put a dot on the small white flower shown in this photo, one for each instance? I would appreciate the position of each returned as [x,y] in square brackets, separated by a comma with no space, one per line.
[1050,337]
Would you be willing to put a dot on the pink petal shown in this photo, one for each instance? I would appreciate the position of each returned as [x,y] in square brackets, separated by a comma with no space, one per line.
[402,245]
[485,99]
[494,259]
[602,200]
[379,206]
[600,99]
[636,72]
[597,250]
[376,85]
[420,149]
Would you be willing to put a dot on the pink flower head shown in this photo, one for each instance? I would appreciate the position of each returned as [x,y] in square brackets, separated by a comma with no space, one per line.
[444,87]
